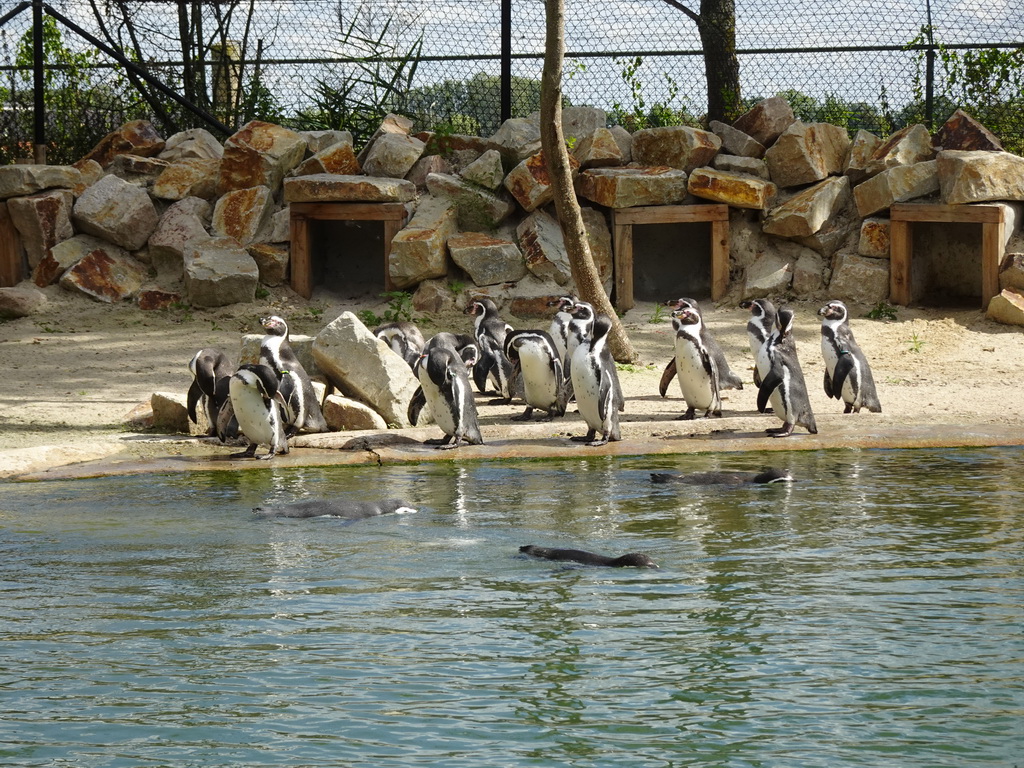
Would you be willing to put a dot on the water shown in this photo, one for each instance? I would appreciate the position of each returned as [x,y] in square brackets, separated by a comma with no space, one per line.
[869,615]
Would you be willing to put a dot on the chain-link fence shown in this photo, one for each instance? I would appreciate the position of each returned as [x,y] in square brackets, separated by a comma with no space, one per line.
[345,63]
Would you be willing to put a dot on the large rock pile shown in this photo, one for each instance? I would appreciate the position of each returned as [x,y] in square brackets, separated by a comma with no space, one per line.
[193,220]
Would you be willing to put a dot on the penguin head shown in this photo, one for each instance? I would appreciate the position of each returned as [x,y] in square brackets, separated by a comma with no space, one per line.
[582,311]
[784,322]
[687,316]
[563,303]
[759,307]
[602,325]
[774,475]
[482,306]
[274,325]
[683,303]
[834,310]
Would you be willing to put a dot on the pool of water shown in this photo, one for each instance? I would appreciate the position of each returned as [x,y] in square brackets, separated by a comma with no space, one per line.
[870,614]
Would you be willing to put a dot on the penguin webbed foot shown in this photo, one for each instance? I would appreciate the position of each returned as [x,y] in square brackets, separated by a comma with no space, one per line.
[248,453]
[784,431]
[587,438]
[598,443]
[690,415]
[500,401]
[438,441]
[524,416]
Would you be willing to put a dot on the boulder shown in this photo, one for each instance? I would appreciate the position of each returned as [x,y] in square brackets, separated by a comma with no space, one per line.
[896,185]
[979,176]
[116,211]
[427,165]
[807,152]
[961,131]
[543,246]
[317,141]
[874,239]
[140,171]
[218,272]
[193,144]
[65,254]
[137,137]
[170,412]
[751,166]
[329,187]
[89,172]
[808,274]
[344,414]
[1006,307]
[190,177]
[530,183]
[242,213]
[766,120]
[859,280]
[809,210]
[365,367]
[155,299]
[182,222]
[598,150]
[1011,272]
[106,274]
[579,122]
[398,125]
[625,141]
[769,275]
[599,238]
[21,301]
[418,251]
[259,154]
[433,297]
[910,145]
[486,170]
[676,146]
[736,142]
[21,180]
[487,260]
[862,149]
[272,261]
[280,226]
[42,220]
[516,139]
[739,190]
[393,155]
[478,209]
[339,157]
[629,187]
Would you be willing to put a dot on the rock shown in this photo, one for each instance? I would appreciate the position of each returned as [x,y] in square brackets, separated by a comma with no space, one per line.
[1011,272]
[961,131]
[259,154]
[170,412]
[398,125]
[344,414]
[766,120]
[625,141]
[746,239]
[858,280]
[487,260]
[42,220]
[1007,307]
[736,142]
[154,299]
[140,418]
[807,152]
[739,190]
[486,170]
[137,137]
[181,223]
[896,185]
[280,226]
[363,366]
[329,187]
[676,146]
[193,144]
[339,158]
[530,183]
[21,301]
[393,155]
[910,145]
[418,250]
[433,297]
[516,139]
[272,262]
[106,274]
[629,187]
[579,122]
[977,177]
[21,180]
[140,171]
[864,146]
[425,166]
[599,238]
[218,272]
[809,210]
[451,144]
[89,173]
[751,166]
[478,209]
[769,275]
[540,238]
[192,177]
[116,211]
[65,254]
[242,213]
[317,141]
[874,239]
[598,150]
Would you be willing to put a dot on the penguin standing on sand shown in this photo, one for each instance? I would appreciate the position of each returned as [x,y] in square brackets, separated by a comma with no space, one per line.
[259,408]
[490,332]
[726,378]
[211,374]
[696,367]
[847,373]
[559,330]
[782,379]
[759,327]
[303,405]
[535,358]
[596,382]
[405,339]
[444,386]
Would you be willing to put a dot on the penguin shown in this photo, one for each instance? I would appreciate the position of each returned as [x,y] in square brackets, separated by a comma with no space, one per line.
[404,338]
[847,373]
[559,330]
[535,358]
[696,368]
[211,374]
[766,477]
[343,508]
[490,331]
[596,382]
[726,378]
[303,405]
[782,379]
[630,560]
[463,344]
[259,408]
[444,386]
[581,325]
[759,327]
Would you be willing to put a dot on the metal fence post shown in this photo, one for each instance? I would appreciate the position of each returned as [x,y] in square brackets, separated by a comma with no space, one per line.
[39,82]
[929,77]
[506,60]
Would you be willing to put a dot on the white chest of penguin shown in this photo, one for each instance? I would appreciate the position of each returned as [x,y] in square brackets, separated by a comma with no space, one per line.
[694,380]
[586,383]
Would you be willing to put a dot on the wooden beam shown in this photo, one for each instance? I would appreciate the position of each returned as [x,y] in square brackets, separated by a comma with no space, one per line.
[993,237]
[300,266]
[622,246]
[719,258]
[12,254]
[946,214]
[901,241]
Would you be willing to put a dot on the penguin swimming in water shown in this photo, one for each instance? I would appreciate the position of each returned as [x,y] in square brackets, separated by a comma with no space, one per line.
[766,477]
[303,405]
[759,327]
[631,560]
[696,368]
[343,508]
[405,339]
[782,379]
[211,376]
[847,373]
[490,332]
[444,386]
[596,382]
[259,408]
[535,359]
[726,378]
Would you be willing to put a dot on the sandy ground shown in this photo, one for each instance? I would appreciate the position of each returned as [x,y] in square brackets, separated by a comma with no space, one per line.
[74,372]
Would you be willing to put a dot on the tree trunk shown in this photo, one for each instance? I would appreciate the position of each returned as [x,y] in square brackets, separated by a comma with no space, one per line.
[717,26]
[556,156]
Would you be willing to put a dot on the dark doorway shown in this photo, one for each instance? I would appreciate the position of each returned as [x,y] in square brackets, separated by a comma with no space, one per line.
[347,257]
[671,261]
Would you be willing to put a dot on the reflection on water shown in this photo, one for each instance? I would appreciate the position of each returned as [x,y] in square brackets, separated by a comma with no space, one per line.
[869,614]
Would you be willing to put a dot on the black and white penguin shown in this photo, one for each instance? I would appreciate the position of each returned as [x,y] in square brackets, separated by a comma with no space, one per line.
[581,326]
[260,410]
[631,560]
[782,379]
[404,338]
[726,378]
[445,387]
[559,330]
[696,368]
[596,382]
[343,508]
[847,373]
[766,477]
[535,358]
[276,353]
[492,364]
[211,374]
[759,327]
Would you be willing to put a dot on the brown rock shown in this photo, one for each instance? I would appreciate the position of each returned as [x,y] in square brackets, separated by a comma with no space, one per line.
[89,173]
[418,251]
[328,187]
[21,180]
[978,177]
[398,125]
[392,155]
[676,146]
[530,183]
[532,306]
[736,142]
[910,145]
[807,152]
[809,210]
[432,297]
[1007,308]
[864,146]
[766,120]
[259,154]
[141,171]
[896,185]
[193,144]
[424,167]
[138,137]
[736,189]
[963,132]
[43,220]
[875,241]
[241,214]
[105,274]
[859,280]
[182,222]
[156,299]
[338,158]
[21,301]
[487,260]
[116,211]
[344,413]
[486,170]
[1011,272]
[272,261]
[629,187]
[598,150]
[188,178]
[478,209]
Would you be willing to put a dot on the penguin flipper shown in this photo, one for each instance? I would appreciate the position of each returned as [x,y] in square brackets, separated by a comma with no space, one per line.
[416,404]
[844,367]
[667,376]
[195,394]
[828,384]
[769,384]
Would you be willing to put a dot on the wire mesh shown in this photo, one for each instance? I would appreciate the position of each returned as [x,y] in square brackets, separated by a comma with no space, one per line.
[343,64]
